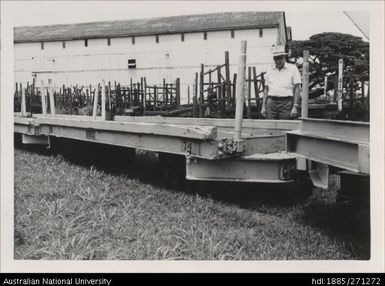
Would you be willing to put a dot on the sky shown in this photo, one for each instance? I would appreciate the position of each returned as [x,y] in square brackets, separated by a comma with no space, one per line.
[305,17]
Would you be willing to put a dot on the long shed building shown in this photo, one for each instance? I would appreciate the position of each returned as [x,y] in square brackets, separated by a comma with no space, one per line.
[155,48]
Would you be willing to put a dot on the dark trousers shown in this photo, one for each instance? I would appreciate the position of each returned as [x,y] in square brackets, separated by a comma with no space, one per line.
[279,107]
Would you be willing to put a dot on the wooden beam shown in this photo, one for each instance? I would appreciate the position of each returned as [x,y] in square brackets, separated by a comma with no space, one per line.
[175,130]
[219,122]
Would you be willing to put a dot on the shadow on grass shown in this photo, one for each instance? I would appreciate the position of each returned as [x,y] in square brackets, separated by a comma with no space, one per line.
[145,167]
[347,221]
[342,221]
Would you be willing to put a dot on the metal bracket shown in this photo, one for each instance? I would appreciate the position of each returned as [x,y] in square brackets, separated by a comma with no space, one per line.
[320,175]
[40,140]
[230,146]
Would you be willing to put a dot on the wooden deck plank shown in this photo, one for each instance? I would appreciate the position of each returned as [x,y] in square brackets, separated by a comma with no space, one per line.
[183,131]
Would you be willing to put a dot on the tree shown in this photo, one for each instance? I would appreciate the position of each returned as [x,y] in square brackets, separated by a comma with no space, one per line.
[325,50]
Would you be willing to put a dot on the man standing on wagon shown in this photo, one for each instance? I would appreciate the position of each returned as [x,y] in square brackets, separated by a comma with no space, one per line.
[282,88]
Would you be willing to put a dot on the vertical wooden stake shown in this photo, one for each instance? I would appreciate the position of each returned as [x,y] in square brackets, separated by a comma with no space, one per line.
[109,96]
[155,97]
[23,102]
[195,95]
[178,92]
[219,89]
[256,90]
[103,100]
[201,86]
[31,99]
[305,84]
[228,81]
[144,94]
[188,94]
[232,102]
[240,93]
[43,101]
[248,94]
[95,108]
[51,100]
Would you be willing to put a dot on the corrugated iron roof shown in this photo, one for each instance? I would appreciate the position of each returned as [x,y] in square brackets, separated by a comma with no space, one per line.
[149,26]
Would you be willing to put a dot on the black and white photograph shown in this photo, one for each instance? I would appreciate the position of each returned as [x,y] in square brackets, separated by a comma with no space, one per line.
[207,136]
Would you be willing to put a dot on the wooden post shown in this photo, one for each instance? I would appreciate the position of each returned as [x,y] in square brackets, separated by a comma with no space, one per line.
[188,94]
[177,92]
[155,97]
[195,95]
[23,101]
[219,89]
[51,100]
[43,101]
[144,94]
[228,81]
[141,92]
[103,100]
[240,93]
[248,94]
[95,107]
[305,84]
[32,95]
[109,97]
[70,98]
[17,96]
[201,92]
[165,93]
[231,104]
[210,77]
[256,90]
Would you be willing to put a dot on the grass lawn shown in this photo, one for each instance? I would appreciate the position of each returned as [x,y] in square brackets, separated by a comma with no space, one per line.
[65,210]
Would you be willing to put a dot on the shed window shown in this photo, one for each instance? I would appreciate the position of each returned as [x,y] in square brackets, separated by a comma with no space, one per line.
[260,33]
[182,37]
[157,38]
[86,43]
[205,36]
[132,64]
[109,42]
[64,44]
[232,34]
[133,40]
[42,45]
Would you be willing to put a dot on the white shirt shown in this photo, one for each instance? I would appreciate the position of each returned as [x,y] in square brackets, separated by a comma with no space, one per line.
[281,82]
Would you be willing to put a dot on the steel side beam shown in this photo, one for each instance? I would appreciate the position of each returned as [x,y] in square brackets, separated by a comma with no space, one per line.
[344,154]
[157,143]
[337,129]
[238,170]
